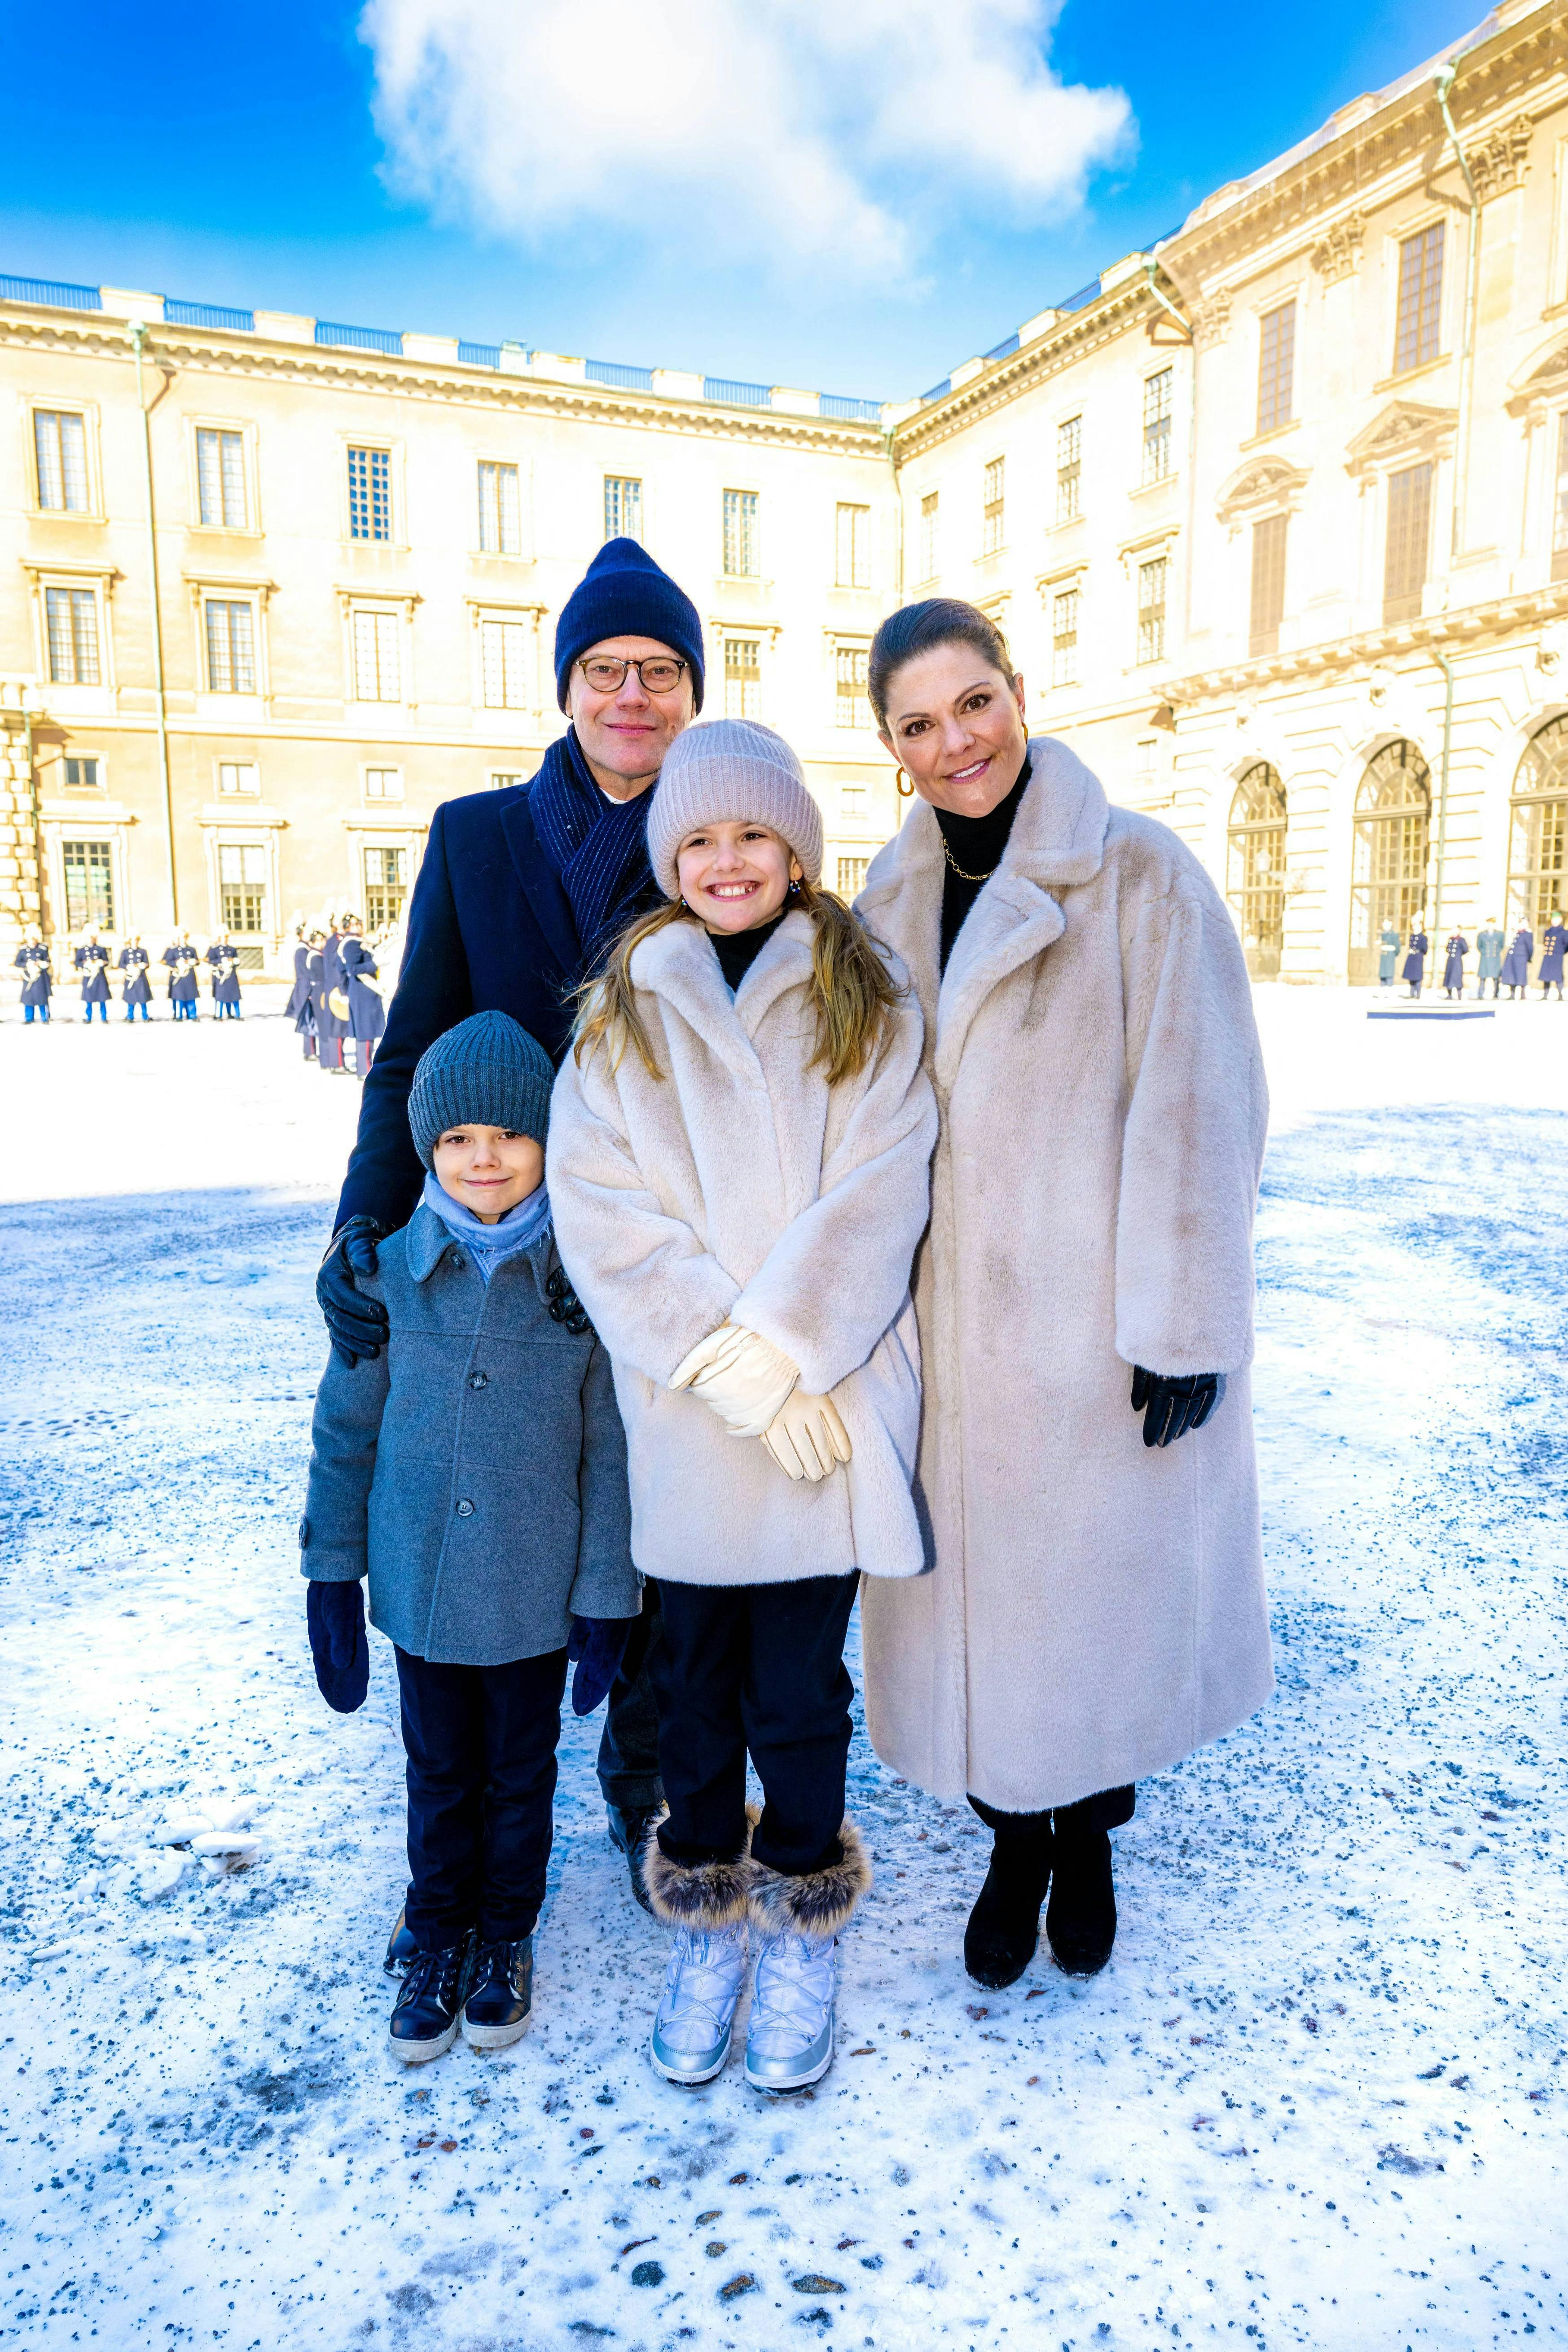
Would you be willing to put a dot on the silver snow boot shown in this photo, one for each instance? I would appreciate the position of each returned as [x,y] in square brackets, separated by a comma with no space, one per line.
[696,2012]
[789,2038]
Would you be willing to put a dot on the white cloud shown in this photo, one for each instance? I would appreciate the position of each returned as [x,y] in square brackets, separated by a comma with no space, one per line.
[787,133]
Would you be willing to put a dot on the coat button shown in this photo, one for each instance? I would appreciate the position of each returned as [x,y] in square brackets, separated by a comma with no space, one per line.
[464,1510]
[480,1381]
[458,1260]
[304,1533]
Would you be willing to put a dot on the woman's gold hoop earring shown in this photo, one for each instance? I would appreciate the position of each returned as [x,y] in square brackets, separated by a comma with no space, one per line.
[902,786]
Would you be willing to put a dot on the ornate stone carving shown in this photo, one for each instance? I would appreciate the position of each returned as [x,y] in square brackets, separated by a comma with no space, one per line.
[1265,485]
[1402,430]
[1501,162]
[1210,322]
[1338,254]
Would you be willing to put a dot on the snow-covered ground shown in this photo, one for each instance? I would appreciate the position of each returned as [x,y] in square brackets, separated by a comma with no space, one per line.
[1315,2100]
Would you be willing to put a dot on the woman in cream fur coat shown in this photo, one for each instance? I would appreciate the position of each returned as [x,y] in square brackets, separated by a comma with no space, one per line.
[1084,1295]
[739,1167]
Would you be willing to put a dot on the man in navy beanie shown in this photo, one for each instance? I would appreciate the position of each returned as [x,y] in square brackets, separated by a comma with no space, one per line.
[518,893]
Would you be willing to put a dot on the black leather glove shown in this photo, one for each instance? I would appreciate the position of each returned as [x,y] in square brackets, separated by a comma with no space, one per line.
[598,1643]
[356,1325]
[1171,1404]
[334,1618]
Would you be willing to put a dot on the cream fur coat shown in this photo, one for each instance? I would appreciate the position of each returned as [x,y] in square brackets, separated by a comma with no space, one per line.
[741,1186]
[1096,1609]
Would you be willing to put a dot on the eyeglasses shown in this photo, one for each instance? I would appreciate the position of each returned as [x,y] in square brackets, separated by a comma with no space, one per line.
[659,673]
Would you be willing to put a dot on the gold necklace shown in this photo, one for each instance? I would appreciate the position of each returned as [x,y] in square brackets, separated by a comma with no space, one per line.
[958,868]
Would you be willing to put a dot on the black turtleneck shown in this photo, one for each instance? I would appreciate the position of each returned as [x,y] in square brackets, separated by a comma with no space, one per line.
[738,951]
[977,844]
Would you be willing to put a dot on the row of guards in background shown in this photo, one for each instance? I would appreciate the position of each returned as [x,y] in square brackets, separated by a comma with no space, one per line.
[94,964]
[1510,970]
[336,1002]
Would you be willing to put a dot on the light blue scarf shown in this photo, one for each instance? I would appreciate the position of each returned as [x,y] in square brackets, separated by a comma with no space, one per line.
[490,1243]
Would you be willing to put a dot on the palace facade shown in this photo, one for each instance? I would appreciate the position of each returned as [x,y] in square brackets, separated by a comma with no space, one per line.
[1275,518]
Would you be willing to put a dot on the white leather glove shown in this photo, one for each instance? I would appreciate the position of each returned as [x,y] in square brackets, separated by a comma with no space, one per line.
[739,1375]
[806,1438]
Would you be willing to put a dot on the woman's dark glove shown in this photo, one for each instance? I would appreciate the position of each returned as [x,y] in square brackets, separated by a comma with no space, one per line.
[1172,1405]
[334,1618]
[598,1644]
[356,1324]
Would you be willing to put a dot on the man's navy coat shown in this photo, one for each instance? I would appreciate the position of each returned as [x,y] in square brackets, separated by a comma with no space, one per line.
[490,929]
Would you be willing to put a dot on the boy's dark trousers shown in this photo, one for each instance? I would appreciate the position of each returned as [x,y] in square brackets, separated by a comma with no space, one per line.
[482,1777]
[757,1666]
[628,1747]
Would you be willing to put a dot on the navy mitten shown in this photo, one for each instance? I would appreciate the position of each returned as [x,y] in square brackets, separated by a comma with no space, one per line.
[598,1644]
[334,1618]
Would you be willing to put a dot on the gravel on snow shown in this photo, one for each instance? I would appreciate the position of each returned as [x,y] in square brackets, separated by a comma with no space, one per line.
[1315,2100]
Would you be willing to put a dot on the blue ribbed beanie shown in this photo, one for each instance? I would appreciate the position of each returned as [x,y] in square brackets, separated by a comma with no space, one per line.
[623,593]
[487,1072]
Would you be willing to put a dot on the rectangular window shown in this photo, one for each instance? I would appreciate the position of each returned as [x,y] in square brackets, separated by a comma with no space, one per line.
[386,887]
[1267,583]
[1152,609]
[851,664]
[1064,638]
[852,799]
[1409,535]
[90,885]
[231,647]
[852,872]
[500,509]
[929,530]
[71,614]
[370,494]
[1148,759]
[994,516]
[742,677]
[1069,466]
[220,477]
[242,886]
[384,783]
[82,775]
[623,506]
[60,442]
[1276,367]
[503,663]
[1419,334]
[377,669]
[503,779]
[740,534]
[1560,510]
[853,568]
[238,776]
[1157,398]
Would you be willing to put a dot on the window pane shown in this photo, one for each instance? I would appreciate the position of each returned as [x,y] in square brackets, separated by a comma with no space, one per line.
[853,568]
[1152,610]
[1560,510]
[929,536]
[500,509]
[623,506]
[237,776]
[384,783]
[71,617]
[376,657]
[90,885]
[60,439]
[991,537]
[742,677]
[1417,335]
[852,875]
[231,648]
[386,887]
[220,477]
[1404,557]
[1157,396]
[1267,583]
[852,663]
[1064,638]
[370,494]
[503,646]
[1277,368]
[740,533]
[1070,459]
[82,775]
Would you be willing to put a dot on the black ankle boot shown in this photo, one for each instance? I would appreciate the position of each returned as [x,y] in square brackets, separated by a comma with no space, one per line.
[1004,1931]
[1080,1918]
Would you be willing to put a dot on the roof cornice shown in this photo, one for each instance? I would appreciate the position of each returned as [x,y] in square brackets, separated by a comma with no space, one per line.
[1075,335]
[1469,624]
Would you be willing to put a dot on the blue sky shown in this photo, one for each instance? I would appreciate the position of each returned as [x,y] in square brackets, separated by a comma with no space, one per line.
[232,156]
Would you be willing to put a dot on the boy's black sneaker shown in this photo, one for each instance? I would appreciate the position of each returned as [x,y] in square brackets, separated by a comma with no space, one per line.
[500,1994]
[630,1828]
[426,2012]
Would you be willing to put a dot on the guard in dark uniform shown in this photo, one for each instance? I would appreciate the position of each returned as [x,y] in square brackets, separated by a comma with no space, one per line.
[332,1003]
[1414,969]
[223,961]
[1489,945]
[1454,955]
[32,961]
[183,961]
[91,960]
[137,993]
[368,1016]
[1554,941]
[1387,954]
[300,994]
[1518,961]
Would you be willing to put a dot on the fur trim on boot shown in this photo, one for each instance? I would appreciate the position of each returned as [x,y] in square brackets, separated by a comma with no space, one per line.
[823,1902]
[703,1895]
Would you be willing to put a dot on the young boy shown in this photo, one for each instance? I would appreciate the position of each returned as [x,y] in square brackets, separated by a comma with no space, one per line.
[477,1467]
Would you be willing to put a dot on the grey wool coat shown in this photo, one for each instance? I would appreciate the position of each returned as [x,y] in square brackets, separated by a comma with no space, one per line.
[477,1467]
[739,1186]
[1096,1609]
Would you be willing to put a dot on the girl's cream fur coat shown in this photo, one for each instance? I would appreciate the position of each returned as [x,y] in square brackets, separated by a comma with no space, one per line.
[739,1186]
[1096,1609]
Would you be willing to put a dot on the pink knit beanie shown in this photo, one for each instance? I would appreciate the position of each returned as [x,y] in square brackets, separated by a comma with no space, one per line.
[734,769]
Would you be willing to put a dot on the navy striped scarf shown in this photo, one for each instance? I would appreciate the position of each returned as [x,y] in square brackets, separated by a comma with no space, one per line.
[598,847]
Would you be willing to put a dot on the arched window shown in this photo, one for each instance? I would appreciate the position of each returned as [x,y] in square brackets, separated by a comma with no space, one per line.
[1257,862]
[1388,876]
[1538,846]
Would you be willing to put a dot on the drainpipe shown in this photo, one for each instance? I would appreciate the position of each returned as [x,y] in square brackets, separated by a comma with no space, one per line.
[137,330]
[1442,83]
[1446,666]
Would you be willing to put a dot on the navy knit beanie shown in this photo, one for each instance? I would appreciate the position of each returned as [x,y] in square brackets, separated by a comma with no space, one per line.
[623,593]
[487,1072]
